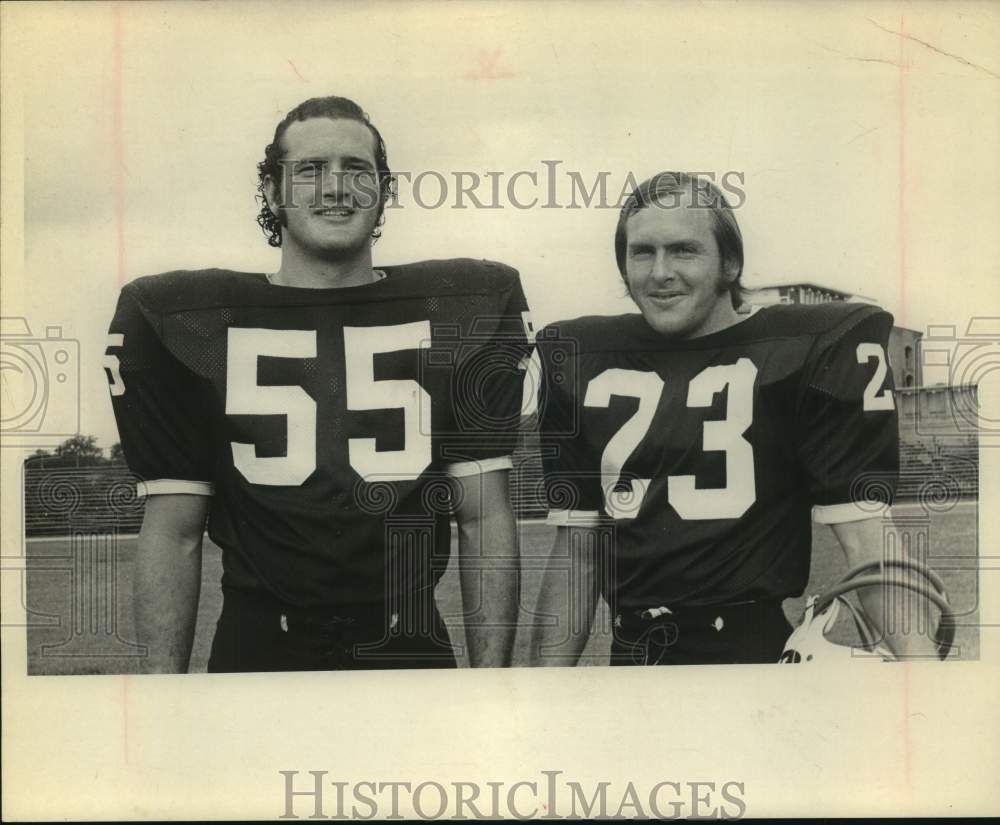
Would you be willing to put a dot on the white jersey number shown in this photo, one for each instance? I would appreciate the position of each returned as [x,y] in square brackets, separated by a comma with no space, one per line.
[647,387]
[112,364]
[361,345]
[244,396]
[873,399]
[725,435]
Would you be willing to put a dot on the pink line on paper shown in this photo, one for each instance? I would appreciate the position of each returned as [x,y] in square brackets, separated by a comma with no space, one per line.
[118,139]
[489,67]
[901,321]
[903,171]
[125,719]
[296,70]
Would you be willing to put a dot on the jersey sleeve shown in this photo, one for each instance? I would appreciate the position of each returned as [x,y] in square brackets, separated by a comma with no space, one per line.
[848,438]
[488,387]
[157,406]
[570,465]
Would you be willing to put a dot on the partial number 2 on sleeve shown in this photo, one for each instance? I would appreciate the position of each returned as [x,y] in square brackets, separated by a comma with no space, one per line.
[875,398]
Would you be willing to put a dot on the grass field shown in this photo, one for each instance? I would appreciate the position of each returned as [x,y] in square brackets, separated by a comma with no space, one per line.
[78,593]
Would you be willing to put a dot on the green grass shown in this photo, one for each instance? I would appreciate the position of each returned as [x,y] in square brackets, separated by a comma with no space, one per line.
[79,594]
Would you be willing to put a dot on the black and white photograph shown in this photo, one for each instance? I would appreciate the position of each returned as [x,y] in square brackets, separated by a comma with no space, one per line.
[393,393]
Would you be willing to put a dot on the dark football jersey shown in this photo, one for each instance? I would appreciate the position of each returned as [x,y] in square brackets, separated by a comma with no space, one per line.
[708,458]
[324,422]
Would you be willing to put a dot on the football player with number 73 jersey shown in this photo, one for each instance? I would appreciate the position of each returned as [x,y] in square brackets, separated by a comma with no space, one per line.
[688,447]
[328,419]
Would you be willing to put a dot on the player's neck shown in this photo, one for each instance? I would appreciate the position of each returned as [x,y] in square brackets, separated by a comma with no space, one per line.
[723,316]
[309,272]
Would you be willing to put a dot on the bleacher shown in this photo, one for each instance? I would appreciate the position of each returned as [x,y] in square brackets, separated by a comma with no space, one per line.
[527,491]
[63,500]
[939,467]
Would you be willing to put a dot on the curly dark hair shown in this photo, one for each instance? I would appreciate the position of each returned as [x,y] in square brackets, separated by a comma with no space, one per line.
[335,108]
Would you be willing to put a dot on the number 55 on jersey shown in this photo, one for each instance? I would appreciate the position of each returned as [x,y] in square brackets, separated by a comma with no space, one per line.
[313,415]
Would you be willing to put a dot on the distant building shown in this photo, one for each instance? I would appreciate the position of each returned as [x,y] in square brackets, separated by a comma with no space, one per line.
[904,348]
[803,293]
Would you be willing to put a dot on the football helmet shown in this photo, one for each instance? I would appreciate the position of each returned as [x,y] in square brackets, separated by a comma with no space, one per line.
[808,642]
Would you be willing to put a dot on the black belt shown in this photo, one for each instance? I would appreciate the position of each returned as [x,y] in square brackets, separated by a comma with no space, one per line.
[321,617]
[681,612]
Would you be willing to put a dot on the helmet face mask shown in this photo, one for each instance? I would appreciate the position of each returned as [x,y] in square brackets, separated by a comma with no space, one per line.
[809,642]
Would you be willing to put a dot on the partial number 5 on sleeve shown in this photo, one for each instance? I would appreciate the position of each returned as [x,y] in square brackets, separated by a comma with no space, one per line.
[113,366]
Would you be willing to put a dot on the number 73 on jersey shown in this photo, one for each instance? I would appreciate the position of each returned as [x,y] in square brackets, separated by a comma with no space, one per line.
[624,498]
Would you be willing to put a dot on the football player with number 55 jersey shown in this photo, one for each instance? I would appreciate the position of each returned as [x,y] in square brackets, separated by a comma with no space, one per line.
[327,420]
[687,448]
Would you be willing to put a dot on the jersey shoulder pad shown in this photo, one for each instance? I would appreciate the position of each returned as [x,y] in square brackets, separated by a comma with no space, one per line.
[596,333]
[835,346]
[181,290]
[460,275]
[857,321]
[826,323]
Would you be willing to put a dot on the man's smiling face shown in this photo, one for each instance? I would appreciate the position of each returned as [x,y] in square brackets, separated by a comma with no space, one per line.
[674,270]
[328,198]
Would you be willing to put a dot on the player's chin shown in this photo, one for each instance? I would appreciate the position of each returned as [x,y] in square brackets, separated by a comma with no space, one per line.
[339,245]
[666,323]
[334,254]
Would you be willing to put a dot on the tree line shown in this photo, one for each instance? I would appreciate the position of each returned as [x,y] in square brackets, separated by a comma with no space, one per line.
[78,451]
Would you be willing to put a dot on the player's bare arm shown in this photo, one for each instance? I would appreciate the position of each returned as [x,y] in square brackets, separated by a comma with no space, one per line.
[489,566]
[567,599]
[168,579]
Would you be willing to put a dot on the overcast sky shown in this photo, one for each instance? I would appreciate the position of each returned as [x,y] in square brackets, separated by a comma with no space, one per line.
[863,139]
